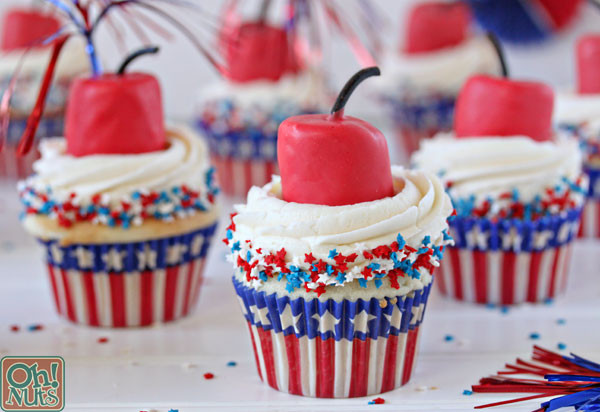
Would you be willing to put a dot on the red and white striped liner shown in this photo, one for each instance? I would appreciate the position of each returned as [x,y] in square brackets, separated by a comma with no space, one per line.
[336,369]
[504,278]
[590,219]
[236,177]
[126,299]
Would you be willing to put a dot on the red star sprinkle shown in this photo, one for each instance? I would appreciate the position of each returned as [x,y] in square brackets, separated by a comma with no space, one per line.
[208,376]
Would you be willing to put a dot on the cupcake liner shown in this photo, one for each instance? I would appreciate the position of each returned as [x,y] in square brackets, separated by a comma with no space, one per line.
[14,167]
[236,177]
[333,349]
[243,158]
[128,284]
[590,217]
[509,261]
[419,118]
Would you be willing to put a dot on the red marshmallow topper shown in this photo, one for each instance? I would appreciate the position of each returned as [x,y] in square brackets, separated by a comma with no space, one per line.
[436,25]
[499,106]
[257,50]
[22,28]
[116,113]
[334,159]
[492,106]
[588,64]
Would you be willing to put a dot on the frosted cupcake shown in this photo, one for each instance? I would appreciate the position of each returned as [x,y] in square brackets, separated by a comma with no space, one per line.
[517,189]
[265,82]
[22,28]
[124,208]
[333,272]
[577,114]
[420,81]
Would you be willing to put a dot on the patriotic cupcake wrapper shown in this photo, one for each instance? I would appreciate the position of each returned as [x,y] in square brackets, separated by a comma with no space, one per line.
[128,284]
[590,217]
[420,118]
[331,349]
[243,158]
[509,261]
[14,167]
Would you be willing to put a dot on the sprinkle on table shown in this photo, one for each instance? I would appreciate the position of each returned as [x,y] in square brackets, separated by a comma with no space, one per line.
[231,364]
[467,392]
[15,328]
[448,338]
[534,336]
[208,376]
[561,321]
[35,327]
[504,309]
[561,346]
[377,401]
[103,339]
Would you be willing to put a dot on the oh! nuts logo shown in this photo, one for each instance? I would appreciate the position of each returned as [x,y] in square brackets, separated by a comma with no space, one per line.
[32,383]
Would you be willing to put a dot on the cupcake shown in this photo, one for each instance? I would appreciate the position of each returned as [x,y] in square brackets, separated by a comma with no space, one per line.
[333,270]
[123,206]
[577,114]
[420,81]
[21,48]
[517,189]
[265,82]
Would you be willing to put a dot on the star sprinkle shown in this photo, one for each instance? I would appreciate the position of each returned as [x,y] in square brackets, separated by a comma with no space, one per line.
[315,273]
[132,210]
[565,195]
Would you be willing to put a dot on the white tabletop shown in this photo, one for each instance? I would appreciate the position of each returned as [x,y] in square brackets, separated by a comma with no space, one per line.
[162,367]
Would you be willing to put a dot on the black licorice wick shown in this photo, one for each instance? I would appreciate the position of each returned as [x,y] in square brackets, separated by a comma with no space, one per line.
[135,55]
[264,10]
[499,51]
[350,85]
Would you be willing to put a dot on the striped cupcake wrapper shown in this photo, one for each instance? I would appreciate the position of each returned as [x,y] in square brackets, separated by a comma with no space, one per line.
[331,349]
[508,262]
[14,167]
[128,284]
[243,158]
[590,217]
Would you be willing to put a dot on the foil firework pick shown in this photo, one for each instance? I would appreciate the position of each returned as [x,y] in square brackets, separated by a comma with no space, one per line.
[572,381]
[83,19]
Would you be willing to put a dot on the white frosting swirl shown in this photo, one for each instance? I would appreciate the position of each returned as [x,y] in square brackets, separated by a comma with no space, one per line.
[574,109]
[442,71]
[419,208]
[487,167]
[185,161]
[305,89]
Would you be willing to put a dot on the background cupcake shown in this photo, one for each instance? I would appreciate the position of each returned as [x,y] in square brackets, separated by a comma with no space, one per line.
[517,190]
[23,31]
[333,274]
[577,114]
[422,77]
[265,81]
[124,207]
